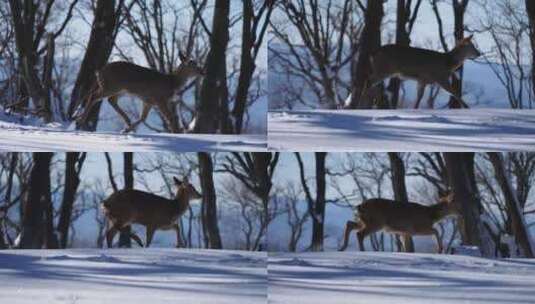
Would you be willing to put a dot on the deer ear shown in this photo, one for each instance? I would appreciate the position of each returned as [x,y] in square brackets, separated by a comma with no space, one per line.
[177,181]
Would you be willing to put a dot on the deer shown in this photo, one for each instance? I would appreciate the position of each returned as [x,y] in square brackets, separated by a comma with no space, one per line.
[152,87]
[402,218]
[130,206]
[424,66]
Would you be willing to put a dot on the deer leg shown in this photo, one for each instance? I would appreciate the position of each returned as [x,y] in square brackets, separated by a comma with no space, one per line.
[445,84]
[136,238]
[144,114]
[110,234]
[421,90]
[150,233]
[113,102]
[350,226]
[439,243]
[362,234]
[168,117]
[178,238]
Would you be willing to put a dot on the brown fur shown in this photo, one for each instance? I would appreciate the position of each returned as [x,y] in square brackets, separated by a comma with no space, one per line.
[425,66]
[403,218]
[155,212]
[152,87]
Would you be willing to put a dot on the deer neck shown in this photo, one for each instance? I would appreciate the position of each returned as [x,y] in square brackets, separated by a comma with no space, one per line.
[439,211]
[182,200]
[180,76]
[457,57]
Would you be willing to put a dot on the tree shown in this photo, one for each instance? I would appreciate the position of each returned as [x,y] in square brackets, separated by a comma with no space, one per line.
[101,41]
[128,171]
[325,30]
[255,171]
[370,40]
[212,101]
[462,181]
[73,167]
[253,29]
[36,213]
[514,208]
[406,17]
[316,205]
[400,190]
[209,202]
[30,21]
[530,9]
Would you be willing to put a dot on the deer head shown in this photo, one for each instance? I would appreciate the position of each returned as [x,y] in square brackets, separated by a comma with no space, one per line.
[188,67]
[446,204]
[467,49]
[186,190]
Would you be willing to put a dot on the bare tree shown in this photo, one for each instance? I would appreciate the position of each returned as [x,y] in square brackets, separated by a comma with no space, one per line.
[326,31]
[213,102]
[209,202]
[461,176]
[370,40]
[35,231]
[101,40]
[316,205]
[514,208]
[400,190]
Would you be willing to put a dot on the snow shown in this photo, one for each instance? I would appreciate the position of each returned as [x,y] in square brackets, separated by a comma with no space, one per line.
[365,277]
[15,136]
[132,276]
[402,130]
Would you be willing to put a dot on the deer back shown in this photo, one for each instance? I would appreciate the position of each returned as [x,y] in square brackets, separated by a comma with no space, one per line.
[401,217]
[412,63]
[124,77]
[134,206]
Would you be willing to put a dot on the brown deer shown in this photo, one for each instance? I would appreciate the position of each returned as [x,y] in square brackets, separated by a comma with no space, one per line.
[152,87]
[425,66]
[402,218]
[129,206]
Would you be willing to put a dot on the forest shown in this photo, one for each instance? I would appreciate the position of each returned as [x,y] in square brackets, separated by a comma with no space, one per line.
[53,200]
[51,51]
[319,52]
[491,191]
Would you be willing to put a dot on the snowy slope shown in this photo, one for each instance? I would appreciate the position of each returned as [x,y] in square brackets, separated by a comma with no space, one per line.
[355,278]
[132,276]
[19,137]
[402,130]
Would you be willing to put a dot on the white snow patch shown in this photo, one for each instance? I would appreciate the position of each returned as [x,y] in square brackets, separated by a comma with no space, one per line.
[366,277]
[403,130]
[132,276]
[17,137]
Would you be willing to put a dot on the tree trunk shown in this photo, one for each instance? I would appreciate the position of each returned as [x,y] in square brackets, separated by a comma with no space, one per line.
[400,190]
[461,175]
[207,119]
[319,206]
[128,171]
[209,200]
[247,65]
[34,208]
[530,9]
[370,40]
[72,181]
[99,47]
[514,210]
[459,9]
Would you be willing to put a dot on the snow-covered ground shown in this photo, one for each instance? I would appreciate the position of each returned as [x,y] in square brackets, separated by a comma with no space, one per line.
[132,276]
[22,137]
[350,277]
[402,130]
